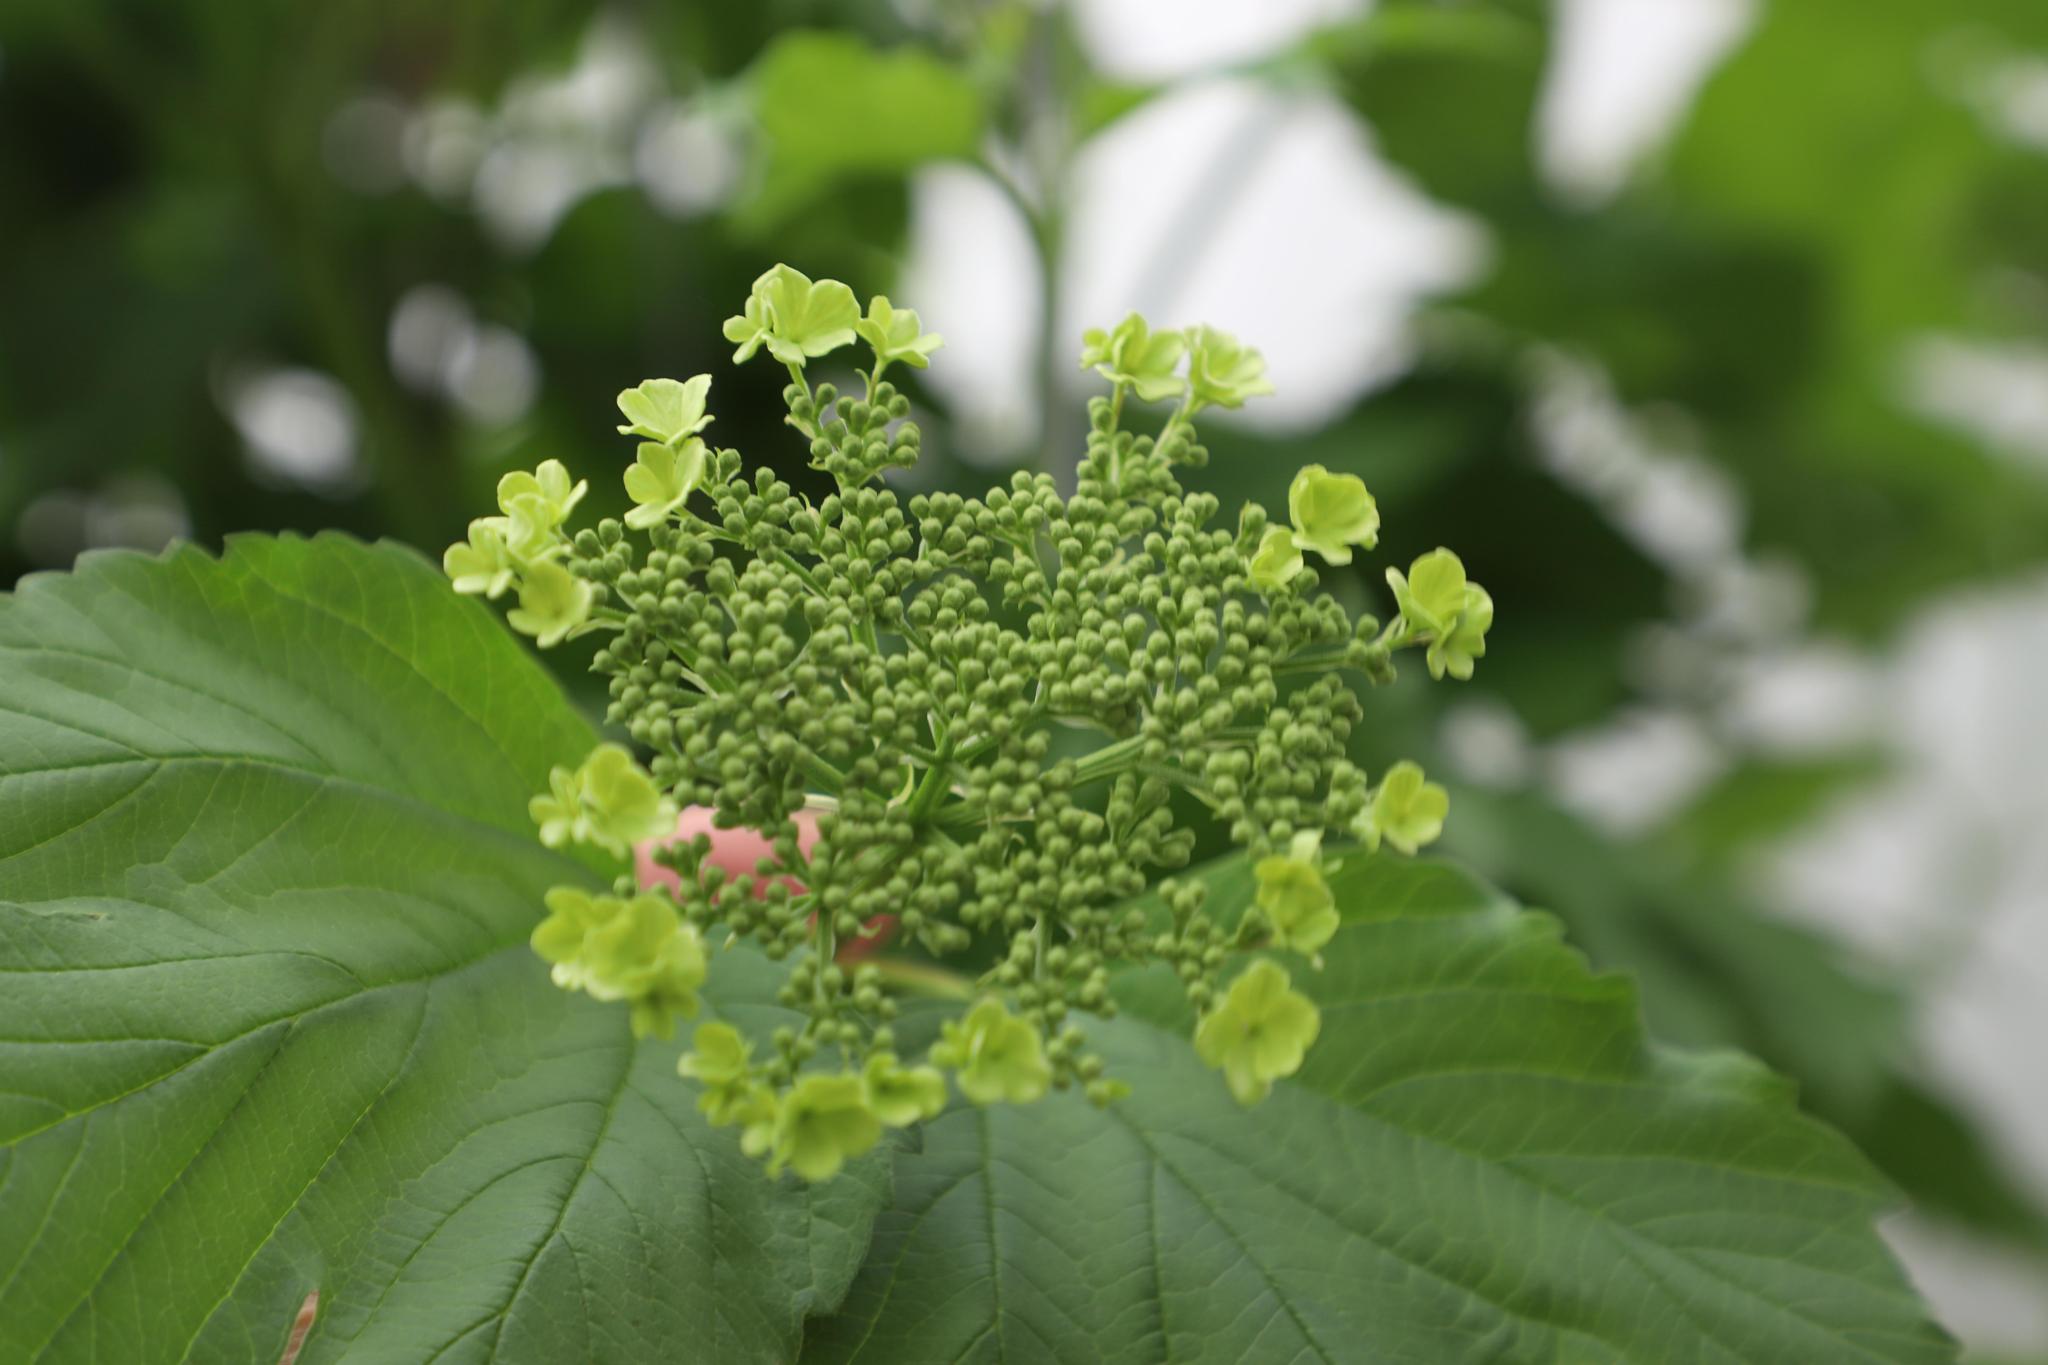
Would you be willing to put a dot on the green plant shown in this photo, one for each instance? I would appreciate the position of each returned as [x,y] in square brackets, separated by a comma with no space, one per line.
[277,1049]
[912,686]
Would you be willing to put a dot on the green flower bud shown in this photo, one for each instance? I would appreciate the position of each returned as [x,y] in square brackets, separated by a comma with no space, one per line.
[662,479]
[899,1096]
[1295,898]
[1259,1033]
[553,604]
[1407,812]
[1132,353]
[822,1121]
[1223,371]
[895,334]
[485,563]
[1277,560]
[666,410]
[994,1055]
[794,317]
[1332,512]
[609,801]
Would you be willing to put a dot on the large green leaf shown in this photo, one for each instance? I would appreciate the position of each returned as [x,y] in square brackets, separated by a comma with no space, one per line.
[1482,1161]
[270,1025]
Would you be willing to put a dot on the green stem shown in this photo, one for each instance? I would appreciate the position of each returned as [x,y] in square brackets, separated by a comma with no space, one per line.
[921,978]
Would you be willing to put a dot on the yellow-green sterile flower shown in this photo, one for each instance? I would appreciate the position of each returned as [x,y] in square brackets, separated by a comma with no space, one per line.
[1295,898]
[1407,811]
[553,604]
[994,1055]
[1431,593]
[721,1060]
[662,479]
[1132,353]
[1223,371]
[896,334]
[1441,606]
[1332,513]
[559,939]
[485,562]
[609,801]
[646,955]
[543,498]
[821,1122]
[1259,1033]
[794,317]
[901,1095]
[669,411]
[1277,560]
[1453,650]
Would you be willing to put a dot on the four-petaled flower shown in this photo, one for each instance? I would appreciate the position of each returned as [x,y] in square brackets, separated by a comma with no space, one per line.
[1132,353]
[1277,560]
[823,1120]
[1407,811]
[901,1095]
[1332,513]
[609,801]
[994,1055]
[1295,898]
[1223,371]
[541,501]
[895,334]
[1259,1033]
[638,950]
[794,317]
[484,563]
[662,479]
[666,410]
[553,604]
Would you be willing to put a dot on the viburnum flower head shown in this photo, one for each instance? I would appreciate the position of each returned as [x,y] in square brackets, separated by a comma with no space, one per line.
[887,699]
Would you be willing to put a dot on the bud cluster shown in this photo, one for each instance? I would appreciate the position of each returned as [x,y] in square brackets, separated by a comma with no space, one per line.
[958,722]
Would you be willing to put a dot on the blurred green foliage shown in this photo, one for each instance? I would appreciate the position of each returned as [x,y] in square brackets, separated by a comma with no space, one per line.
[170,211]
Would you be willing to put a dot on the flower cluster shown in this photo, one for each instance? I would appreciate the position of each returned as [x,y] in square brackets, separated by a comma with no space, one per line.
[1001,713]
